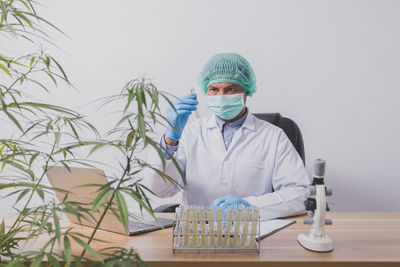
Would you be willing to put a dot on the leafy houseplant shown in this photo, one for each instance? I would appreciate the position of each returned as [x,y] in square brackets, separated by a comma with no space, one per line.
[49,135]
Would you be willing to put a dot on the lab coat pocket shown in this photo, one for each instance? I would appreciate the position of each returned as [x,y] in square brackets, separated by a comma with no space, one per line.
[250,177]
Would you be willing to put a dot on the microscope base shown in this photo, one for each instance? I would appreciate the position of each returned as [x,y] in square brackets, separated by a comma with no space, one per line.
[318,244]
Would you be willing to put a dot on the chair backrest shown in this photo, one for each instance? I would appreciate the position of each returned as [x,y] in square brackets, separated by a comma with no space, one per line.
[289,127]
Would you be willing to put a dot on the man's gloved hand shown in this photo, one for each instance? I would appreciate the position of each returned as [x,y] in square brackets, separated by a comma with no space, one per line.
[229,200]
[178,119]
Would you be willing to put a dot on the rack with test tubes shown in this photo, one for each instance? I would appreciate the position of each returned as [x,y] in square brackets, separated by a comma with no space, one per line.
[226,230]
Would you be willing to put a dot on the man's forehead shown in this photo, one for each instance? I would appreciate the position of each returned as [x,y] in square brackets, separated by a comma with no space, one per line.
[224,85]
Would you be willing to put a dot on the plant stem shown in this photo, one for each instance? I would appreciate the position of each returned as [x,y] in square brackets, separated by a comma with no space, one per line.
[107,207]
[17,221]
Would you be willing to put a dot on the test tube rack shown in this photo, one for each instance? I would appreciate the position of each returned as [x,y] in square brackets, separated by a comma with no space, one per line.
[199,229]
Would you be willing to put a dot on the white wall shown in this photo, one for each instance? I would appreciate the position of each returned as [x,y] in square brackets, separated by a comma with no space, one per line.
[332,66]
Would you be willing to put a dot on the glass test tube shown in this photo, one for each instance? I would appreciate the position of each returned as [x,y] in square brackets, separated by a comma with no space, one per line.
[181,225]
[187,229]
[203,228]
[237,227]
[177,226]
[195,232]
[245,227]
[197,109]
[219,227]
[228,228]
[254,228]
[211,228]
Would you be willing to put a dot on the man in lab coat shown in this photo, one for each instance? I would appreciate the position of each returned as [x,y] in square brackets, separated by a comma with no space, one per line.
[230,157]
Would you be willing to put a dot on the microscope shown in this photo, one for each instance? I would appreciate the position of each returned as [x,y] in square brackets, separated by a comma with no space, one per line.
[316,207]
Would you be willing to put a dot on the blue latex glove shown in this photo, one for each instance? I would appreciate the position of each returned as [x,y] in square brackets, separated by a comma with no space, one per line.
[178,119]
[229,200]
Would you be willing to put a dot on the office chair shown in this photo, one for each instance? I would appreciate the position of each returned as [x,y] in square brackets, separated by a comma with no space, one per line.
[287,125]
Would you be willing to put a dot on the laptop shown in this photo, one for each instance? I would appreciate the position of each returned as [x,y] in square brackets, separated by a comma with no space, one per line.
[72,181]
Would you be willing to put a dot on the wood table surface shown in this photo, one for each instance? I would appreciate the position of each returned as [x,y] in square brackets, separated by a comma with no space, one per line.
[360,239]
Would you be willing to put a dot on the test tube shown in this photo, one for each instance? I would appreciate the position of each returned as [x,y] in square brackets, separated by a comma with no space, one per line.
[219,227]
[203,228]
[211,227]
[254,224]
[228,228]
[245,227]
[187,229]
[195,232]
[197,109]
[237,227]
[181,225]
[177,227]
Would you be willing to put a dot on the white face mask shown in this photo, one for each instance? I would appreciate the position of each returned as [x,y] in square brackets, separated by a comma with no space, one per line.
[225,106]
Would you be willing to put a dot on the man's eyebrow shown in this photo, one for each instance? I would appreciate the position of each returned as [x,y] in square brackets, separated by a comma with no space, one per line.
[233,86]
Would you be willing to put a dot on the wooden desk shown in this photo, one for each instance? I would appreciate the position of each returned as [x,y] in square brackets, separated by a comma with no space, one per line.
[360,239]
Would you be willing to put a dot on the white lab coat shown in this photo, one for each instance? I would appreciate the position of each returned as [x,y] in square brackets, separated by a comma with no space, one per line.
[261,166]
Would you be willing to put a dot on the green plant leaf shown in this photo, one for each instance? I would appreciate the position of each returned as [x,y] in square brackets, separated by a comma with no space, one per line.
[5,69]
[20,167]
[77,261]
[10,116]
[140,202]
[124,118]
[61,69]
[101,198]
[96,147]
[129,139]
[49,107]
[57,139]
[123,210]
[57,225]
[22,194]
[166,177]
[73,129]
[131,96]
[41,19]
[33,157]
[4,11]
[54,261]
[52,78]
[87,247]
[37,261]
[67,250]
[16,263]
[156,147]
[31,61]
[40,193]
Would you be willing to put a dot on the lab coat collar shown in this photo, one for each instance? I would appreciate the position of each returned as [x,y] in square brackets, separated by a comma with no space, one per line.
[248,123]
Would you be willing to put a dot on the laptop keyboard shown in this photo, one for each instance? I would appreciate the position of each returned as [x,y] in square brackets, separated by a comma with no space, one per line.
[134,226]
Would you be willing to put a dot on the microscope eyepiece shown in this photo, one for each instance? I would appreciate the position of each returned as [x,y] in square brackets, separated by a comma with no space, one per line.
[319,168]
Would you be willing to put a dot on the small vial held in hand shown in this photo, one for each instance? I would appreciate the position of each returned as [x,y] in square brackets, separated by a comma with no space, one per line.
[197,109]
